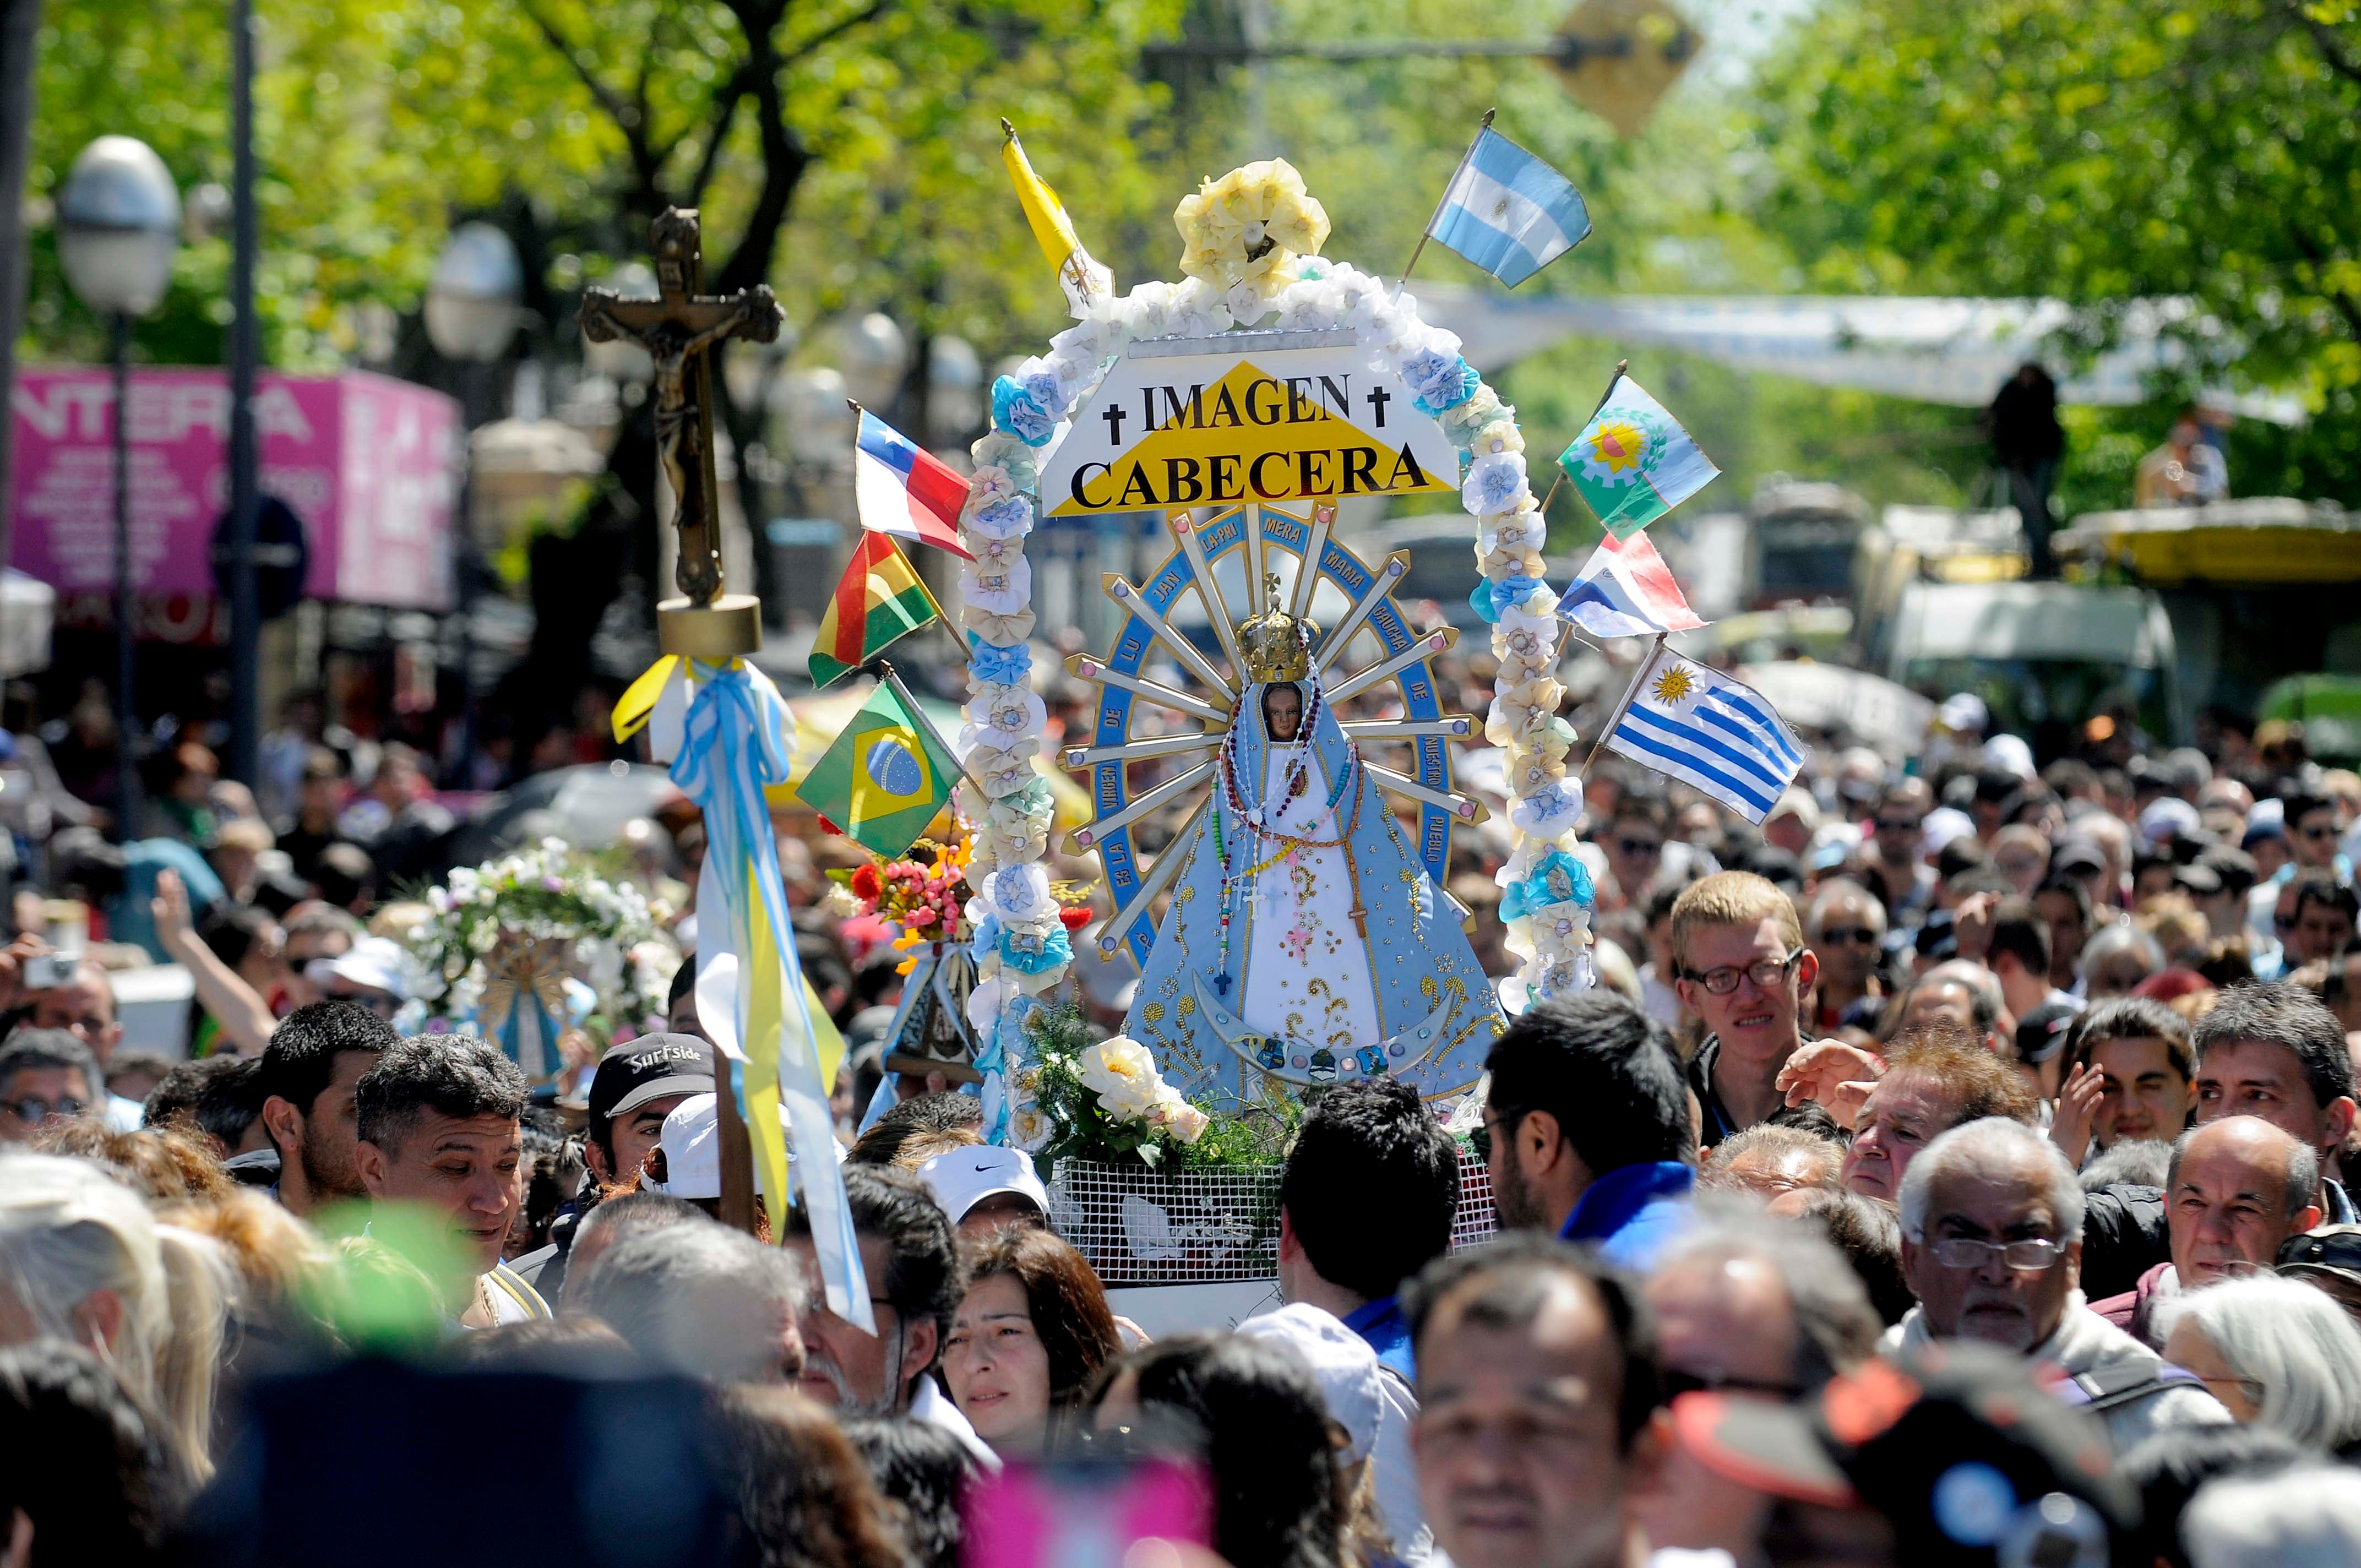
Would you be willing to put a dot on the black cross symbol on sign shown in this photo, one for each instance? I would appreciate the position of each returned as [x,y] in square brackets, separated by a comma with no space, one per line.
[1378,399]
[1114,416]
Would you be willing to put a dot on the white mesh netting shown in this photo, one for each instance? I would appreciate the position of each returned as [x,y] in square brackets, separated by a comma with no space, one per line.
[1141,1227]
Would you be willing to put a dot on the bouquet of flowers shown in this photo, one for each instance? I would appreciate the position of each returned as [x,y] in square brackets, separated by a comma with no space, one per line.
[546,918]
[1104,1102]
[927,895]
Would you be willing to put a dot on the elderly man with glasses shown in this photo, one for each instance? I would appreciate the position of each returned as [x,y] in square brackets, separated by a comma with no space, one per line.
[1991,1246]
[44,1073]
[1740,964]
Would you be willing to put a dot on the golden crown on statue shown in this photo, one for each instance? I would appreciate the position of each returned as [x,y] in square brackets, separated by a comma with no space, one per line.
[1275,645]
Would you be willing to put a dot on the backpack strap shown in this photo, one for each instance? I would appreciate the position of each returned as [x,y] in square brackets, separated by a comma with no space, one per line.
[2117,1386]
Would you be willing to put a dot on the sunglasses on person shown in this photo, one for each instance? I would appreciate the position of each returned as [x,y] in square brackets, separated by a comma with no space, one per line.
[2318,830]
[1764,973]
[32,1109]
[1479,1137]
[1641,846]
[1910,826]
[1841,935]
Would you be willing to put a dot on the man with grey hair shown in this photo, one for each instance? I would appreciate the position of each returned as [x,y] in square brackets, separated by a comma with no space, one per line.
[701,1301]
[2300,1517]
[1750,1307]
[2237,1187]
[1991,1246]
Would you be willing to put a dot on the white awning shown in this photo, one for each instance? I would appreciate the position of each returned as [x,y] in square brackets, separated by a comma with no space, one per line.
[1954,351]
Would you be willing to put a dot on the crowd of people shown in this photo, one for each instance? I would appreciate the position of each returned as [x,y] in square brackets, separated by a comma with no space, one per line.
[1950,1171]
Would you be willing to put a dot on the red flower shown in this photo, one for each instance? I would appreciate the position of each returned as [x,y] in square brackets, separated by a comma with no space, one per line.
[1074,916]
[865,883]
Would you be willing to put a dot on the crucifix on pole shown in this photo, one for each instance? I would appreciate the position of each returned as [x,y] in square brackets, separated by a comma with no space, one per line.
[677,329]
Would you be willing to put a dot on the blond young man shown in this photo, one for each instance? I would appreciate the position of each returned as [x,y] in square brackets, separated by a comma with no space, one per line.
[1742,966]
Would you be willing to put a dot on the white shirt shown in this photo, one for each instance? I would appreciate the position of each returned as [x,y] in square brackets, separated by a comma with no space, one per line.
[1393,1475]
[927,1404]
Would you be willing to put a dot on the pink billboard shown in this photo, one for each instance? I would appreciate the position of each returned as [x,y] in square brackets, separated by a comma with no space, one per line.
[370,464]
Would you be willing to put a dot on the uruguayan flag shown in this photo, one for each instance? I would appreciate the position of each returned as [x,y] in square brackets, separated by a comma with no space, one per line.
[1508,212]
[1702,727]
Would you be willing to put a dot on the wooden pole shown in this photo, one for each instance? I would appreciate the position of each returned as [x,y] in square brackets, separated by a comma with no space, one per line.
[1444,199]
[737,1149]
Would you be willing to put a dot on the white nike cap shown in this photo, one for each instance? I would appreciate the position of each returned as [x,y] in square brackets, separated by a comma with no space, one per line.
[963,1177]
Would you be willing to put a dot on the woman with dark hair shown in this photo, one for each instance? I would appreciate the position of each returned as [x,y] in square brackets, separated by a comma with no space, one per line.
[921,1469]
[1032,1333]
[803,1489]
[1279,1498]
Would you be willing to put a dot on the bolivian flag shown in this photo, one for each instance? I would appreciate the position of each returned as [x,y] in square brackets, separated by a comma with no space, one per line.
[883,780]
[879,601]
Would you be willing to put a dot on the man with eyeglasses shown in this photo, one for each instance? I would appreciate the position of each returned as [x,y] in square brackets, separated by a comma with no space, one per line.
[1743,969]
[1751,1312]
[1992,1229]
[1634,843]
[909,1254]
[1848,933]
[1587,1132]
[83,1005]
[2312,835]
[44,1073]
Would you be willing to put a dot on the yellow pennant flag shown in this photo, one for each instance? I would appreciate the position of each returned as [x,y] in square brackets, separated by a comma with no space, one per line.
[1080,277]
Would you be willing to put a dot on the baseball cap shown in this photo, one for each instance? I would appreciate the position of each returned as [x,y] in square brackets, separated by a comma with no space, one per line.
[962,1178]
[2079,854]
[2331,1249]
[1972,1460]
[1340,1361]
[374,963]
[2166,818]
[1962,711]
[691,1142]
[1799,805]
[653,1067]
[2041,1034]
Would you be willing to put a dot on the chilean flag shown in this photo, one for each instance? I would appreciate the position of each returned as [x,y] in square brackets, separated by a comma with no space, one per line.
[1625,590]
[903,491]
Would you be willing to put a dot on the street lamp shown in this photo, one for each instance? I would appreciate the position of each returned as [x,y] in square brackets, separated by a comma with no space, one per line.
[118,228]
[474,304]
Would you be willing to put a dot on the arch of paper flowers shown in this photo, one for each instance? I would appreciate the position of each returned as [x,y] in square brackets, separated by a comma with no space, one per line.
[1250,253]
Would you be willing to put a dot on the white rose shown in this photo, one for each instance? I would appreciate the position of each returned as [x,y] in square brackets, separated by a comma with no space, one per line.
[1184,1122]
[1120,1071]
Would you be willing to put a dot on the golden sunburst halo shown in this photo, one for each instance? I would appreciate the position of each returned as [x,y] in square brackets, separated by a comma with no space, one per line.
[1674,685]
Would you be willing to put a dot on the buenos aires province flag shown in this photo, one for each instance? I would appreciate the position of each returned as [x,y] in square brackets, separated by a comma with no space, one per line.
[1633,462]
[1508,212]
[1698,726]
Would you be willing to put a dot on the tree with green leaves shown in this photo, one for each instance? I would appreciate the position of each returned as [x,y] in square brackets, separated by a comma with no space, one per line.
[2107,152]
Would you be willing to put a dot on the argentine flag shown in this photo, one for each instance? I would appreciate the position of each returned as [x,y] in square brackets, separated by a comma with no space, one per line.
[1508,212]
[1698,726]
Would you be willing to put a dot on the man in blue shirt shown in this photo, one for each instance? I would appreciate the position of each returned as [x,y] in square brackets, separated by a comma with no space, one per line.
[1366,1200]
[1587,1127]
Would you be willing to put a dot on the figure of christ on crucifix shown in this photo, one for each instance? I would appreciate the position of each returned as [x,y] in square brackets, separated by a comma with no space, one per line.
[676,329]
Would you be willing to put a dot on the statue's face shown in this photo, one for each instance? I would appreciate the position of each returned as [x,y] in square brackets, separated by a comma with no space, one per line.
[1282,712]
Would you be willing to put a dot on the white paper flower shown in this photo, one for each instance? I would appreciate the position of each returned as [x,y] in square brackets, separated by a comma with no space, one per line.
[1020,895]
[1196,310]
[1522,529]
[1496,483]
[1031,1128]
[1000,590]
[985,1003]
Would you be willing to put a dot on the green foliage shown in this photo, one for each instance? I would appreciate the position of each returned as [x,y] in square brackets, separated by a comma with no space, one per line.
[2104,153]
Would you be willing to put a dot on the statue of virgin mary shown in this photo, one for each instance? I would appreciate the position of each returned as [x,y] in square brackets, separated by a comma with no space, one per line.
[1305,940]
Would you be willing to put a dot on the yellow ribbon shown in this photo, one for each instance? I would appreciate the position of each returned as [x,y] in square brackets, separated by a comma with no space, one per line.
[639,700]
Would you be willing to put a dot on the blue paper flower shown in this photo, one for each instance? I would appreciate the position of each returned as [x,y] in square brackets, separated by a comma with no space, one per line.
[1556,877]
[1496,484]
[1030,953]
[1513,589]
[1004,519]
[1441,381]
[997,665]
[1027,410]
[1479,599]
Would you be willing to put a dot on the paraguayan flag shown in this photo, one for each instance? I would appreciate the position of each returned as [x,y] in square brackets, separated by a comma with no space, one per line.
[1700,727]
[1508,212]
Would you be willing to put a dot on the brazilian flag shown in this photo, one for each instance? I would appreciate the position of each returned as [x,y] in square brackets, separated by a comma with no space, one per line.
[882,781]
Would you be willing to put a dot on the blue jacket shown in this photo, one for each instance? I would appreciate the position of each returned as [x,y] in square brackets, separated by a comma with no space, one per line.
[1633,1212]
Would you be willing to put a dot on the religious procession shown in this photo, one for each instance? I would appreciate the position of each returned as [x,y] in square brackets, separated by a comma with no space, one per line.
[770,799]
